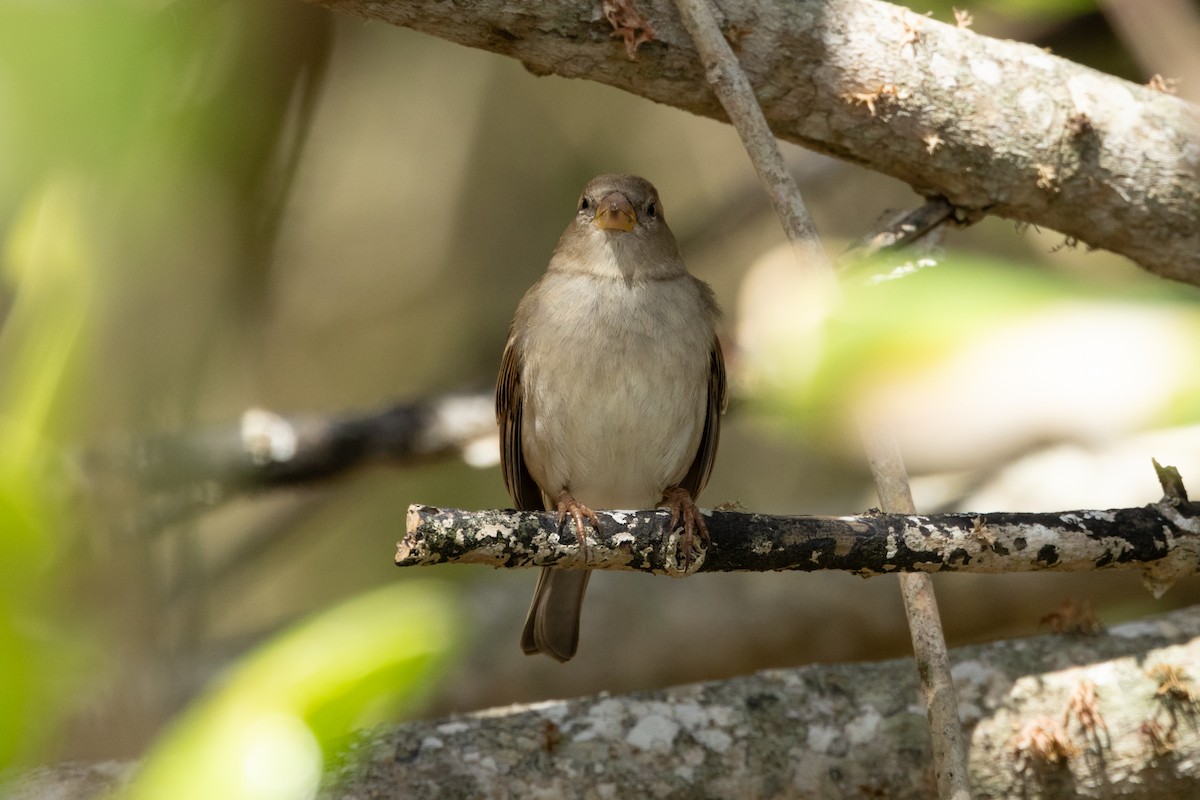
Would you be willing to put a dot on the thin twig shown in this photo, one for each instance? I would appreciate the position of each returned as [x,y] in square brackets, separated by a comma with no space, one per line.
[949,745]
[903,230]
[733,89]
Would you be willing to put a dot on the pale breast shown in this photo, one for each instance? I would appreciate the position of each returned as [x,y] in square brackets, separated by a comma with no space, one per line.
[615,386]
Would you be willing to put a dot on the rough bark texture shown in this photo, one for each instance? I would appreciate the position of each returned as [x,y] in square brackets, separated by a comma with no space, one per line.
[1061,716]
[1162,539]
[994,126]
[851,731]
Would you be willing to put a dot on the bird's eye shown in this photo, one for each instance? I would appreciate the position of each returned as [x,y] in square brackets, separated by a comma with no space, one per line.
[652,210]
[584,205]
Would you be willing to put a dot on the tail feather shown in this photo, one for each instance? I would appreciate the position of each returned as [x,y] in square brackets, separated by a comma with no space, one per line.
[552,626]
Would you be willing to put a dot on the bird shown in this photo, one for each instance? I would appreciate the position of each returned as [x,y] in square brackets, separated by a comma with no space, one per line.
[611,388]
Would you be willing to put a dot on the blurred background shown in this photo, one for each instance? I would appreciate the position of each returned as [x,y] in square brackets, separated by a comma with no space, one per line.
[211,206]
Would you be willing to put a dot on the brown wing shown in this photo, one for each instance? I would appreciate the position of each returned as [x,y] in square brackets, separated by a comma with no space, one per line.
[697,474]
[520,484]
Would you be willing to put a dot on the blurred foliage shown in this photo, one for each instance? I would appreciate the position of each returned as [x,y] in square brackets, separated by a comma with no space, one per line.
[48,278]
[910,320]
[267,728]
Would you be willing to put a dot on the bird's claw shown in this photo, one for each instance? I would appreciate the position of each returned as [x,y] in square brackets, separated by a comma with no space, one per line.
[684,508]
[568,505]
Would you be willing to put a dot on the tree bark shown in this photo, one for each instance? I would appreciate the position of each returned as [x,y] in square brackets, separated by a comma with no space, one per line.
[996,127]
[1039,728]
[1124,724]
[1162,539]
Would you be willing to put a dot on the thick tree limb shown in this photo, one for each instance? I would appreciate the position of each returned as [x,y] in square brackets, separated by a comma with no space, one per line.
[993,126]
[853,730]
[1105,706]
[1162,539]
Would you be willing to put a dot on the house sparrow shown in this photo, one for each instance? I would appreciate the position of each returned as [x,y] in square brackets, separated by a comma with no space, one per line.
[611,387]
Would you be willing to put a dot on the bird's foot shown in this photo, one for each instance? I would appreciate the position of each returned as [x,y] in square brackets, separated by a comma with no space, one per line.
[568,505]
[684,508]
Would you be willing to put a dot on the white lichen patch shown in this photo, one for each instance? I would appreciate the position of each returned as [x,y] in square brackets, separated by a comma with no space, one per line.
[943,70]
[493,532]
[553,710]
[623,538]
[1038,59]
[1191,525]
[604,721]
[716,740]
[1038,107]
[987,71]
[1104,100]
[1136,630]
[892,547]
[690,715]
[864,727]
[979,686]
[451,728]
[653,732]
[821,737]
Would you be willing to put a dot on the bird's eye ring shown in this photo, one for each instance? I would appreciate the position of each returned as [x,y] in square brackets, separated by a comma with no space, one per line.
[584,204]
[652,210]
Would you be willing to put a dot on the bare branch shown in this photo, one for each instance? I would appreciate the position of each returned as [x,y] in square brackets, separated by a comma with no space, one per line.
[186,473]
[903,230]
[1163,539]
[1013,130]
[728,80]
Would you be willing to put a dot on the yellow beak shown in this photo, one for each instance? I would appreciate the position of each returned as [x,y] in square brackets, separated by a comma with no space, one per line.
[615,213]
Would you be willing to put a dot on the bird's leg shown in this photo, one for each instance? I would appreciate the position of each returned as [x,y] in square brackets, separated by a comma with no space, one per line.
[567,504]
[683,507]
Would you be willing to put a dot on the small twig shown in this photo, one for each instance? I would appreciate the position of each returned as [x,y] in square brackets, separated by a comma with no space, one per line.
[732,88]
[904,230]
[1171,481]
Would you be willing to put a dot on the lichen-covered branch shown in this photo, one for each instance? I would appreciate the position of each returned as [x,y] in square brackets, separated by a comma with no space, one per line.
[993,126]
[1162,539]
[1116,726]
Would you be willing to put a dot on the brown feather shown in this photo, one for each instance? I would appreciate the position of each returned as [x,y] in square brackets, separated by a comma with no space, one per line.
[697,475]
[520,484]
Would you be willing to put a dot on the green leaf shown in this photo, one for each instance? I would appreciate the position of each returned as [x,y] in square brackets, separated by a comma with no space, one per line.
[265,731]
